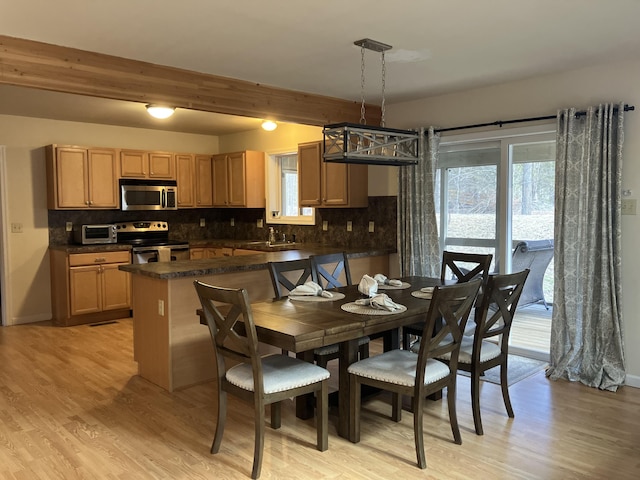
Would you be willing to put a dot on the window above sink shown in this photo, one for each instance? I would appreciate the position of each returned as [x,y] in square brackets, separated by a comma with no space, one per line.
[282,191]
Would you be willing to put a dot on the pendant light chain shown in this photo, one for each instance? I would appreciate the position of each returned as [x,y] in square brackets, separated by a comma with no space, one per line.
[384,72]
[363,121]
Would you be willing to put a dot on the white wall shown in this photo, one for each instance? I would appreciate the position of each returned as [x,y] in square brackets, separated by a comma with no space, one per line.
[29,289]
[544,95]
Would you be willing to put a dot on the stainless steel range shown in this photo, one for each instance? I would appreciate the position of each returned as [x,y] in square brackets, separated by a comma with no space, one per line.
[150,242]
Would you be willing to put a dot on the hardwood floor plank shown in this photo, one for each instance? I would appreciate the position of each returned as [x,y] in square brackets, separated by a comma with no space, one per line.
[73,407]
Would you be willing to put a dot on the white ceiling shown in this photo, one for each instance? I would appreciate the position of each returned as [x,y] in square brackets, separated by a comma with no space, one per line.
[438,47]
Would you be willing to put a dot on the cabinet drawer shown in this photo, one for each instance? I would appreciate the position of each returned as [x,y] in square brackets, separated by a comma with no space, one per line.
[77,259]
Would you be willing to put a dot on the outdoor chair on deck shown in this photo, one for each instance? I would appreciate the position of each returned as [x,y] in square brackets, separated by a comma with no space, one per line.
[489,346]
[459,267]
[287,275]
[260,381]
[536,256]
[402,372]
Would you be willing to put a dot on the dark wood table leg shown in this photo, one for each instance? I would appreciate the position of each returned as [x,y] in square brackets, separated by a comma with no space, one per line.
[391,339]
[348,355]
[305,403]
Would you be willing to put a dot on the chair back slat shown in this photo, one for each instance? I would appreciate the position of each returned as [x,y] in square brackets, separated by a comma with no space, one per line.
[446,319]
[230,321]
[287,275]
[331,270]
[498,306]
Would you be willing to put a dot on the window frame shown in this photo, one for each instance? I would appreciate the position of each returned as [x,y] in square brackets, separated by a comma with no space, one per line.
[274,192]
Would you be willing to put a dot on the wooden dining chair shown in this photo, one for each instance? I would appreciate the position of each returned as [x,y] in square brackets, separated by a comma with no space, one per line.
[489,346]
[332,271]
[260,381]
[458,267]
[403,372]
[288,274]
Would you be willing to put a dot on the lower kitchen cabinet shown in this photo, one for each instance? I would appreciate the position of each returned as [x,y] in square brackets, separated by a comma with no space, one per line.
[89,287]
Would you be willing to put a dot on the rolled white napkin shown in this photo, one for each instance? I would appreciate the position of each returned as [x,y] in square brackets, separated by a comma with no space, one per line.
[427,289]
[380,301]
[368,286]
[311,289]
[383,280]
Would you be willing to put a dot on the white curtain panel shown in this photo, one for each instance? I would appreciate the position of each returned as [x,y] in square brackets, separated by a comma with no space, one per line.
[586,335]
[418,242]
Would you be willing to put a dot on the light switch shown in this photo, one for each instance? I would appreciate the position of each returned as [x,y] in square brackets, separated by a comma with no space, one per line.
[349,226]
[233,222]
[259,223]
[16,228]
[69,226]
[325,225]
[372,227]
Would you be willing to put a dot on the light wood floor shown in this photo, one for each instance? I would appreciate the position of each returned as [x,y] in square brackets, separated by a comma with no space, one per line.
[531,329]
[72,407]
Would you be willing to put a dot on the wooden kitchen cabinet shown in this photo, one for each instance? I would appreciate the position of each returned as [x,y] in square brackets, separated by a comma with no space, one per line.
[186,179]
[239,179]
[204,180]
[147,165]
[81,178]
[322,184]
[89,287]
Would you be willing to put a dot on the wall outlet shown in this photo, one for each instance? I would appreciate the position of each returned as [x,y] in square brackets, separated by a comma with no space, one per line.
[372,227]
[69,226]
[349,226]
[325,225]
[233,222]
[259,223]
[202,222]
[629,206]
[16,228]
[161,308]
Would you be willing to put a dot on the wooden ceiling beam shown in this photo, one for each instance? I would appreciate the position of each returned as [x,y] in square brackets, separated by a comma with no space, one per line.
[27,63]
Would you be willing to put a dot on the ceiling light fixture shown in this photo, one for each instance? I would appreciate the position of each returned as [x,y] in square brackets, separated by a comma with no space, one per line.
[159,111]
[359,143]
[269,125]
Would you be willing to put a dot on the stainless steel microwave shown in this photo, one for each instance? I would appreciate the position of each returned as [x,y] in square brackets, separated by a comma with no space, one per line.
[148,195]
[95,234]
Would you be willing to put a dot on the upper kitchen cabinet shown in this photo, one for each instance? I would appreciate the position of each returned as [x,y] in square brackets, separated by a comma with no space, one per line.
[238,179]
[322,184]
[186,179]
[204,180]
[81,177]
[142,164]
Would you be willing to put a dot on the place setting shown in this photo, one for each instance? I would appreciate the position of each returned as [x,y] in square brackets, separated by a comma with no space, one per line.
[313,292]
[375,303]
[385,283]
[425,293]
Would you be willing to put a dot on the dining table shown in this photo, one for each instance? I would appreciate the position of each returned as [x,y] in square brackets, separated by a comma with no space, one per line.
[300,325]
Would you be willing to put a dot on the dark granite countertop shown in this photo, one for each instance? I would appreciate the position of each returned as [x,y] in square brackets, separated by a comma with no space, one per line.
[241,263]
[114,247]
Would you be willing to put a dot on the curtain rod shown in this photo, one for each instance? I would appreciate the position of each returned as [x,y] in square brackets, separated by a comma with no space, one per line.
[500,123]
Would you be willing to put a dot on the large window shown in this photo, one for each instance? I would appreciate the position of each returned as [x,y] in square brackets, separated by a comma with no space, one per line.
[282,191]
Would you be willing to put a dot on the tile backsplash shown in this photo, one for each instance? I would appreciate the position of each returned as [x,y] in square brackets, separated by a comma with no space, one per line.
[184,225]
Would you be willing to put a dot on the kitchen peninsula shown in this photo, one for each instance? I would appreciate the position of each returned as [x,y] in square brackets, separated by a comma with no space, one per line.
[172,348]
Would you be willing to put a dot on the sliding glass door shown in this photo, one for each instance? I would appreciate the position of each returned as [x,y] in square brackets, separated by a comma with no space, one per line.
[493,192]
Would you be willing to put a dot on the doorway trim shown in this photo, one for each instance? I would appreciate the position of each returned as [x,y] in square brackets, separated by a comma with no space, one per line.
[5,300]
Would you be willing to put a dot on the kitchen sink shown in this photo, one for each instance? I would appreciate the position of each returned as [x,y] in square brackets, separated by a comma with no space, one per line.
[267,244]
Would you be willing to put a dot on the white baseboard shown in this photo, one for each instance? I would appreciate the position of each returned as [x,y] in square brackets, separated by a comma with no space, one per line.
[632,381]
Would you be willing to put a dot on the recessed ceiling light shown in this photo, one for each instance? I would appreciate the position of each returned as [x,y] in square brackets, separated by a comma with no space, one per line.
[269,125]
[159,111]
